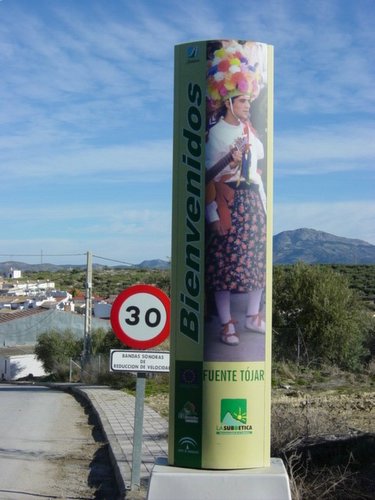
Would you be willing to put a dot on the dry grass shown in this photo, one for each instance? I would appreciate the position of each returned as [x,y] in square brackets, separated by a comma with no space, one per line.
[159,403]
[309,406]
[324,482]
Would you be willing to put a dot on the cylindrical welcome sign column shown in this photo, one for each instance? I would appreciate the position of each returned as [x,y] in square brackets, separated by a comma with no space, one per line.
[221,255]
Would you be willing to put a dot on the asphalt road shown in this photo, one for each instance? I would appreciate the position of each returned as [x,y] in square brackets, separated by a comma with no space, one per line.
[46,445]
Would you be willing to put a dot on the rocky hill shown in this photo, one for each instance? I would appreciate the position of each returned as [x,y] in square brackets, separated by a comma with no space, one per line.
[318,247]
[154,264]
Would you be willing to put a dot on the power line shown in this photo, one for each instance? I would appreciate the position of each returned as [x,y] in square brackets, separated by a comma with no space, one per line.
[44,255]
[114,260]
[65,255]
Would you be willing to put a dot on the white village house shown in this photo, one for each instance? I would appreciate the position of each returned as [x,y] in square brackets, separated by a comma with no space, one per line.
[19,362]
[14,273]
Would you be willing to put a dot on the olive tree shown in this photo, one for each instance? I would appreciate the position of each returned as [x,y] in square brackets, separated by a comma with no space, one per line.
[55,348]
[105,340]
[315,311]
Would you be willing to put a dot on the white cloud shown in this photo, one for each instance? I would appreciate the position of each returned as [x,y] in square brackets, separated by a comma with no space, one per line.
[130,233]
[150,159]
[325,148]
[323,54]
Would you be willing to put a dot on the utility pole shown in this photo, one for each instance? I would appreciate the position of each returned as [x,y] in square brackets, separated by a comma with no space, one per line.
[88,311]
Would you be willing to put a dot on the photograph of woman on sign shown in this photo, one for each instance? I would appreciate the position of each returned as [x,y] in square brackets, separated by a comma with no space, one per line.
[235,201]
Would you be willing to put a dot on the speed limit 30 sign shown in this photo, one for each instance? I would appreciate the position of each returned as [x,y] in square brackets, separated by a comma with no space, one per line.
[140,316]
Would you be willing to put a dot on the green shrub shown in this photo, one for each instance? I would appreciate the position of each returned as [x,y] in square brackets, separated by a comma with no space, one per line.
[55,348]
[318,317]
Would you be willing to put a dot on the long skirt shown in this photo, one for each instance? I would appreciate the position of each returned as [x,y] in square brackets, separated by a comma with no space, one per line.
[237,261]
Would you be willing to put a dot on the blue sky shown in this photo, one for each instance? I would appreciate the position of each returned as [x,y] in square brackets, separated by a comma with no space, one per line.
[86,119]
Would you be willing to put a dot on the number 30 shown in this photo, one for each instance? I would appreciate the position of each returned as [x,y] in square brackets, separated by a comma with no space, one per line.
[152,316]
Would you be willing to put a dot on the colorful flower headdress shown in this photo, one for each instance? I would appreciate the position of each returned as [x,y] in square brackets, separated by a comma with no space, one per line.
[231,73]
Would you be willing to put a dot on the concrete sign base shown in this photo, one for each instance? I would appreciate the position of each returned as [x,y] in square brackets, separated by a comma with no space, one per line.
[263,483]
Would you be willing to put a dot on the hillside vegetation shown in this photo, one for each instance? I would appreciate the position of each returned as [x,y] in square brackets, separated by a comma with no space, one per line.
[106,281]
[112,281]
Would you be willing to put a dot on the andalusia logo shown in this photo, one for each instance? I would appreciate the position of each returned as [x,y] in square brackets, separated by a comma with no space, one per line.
[233,417]
[188,445]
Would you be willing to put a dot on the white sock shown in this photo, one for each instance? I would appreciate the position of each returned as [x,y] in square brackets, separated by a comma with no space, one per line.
[222,300]
[253,305]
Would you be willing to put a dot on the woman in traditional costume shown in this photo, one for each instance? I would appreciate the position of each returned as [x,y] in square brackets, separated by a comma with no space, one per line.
[235,197]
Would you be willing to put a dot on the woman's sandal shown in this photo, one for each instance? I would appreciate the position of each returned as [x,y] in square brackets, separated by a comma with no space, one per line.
[228,334]
[255,323]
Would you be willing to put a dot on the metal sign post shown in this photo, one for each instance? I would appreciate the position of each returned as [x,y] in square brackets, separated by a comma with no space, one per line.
[138,431]
[140,318]
[142,362]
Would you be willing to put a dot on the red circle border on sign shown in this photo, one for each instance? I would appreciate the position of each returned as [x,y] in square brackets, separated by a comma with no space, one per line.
[115,322]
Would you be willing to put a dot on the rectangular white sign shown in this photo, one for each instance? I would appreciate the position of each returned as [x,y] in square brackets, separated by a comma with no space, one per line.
[139,361]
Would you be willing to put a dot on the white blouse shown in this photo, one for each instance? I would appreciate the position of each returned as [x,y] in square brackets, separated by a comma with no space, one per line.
[221,138]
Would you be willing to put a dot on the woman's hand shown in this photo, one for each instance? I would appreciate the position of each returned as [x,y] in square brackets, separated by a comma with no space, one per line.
[236,159]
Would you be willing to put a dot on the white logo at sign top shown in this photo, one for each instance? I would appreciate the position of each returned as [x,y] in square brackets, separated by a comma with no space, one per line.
[142,316]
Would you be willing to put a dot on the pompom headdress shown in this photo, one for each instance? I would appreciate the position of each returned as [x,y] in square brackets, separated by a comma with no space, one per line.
[231,73]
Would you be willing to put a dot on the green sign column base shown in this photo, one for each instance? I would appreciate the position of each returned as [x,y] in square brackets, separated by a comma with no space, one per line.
[263,483]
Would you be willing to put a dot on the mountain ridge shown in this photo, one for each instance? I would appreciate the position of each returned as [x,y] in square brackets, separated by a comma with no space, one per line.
[308,245]
[318,247]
